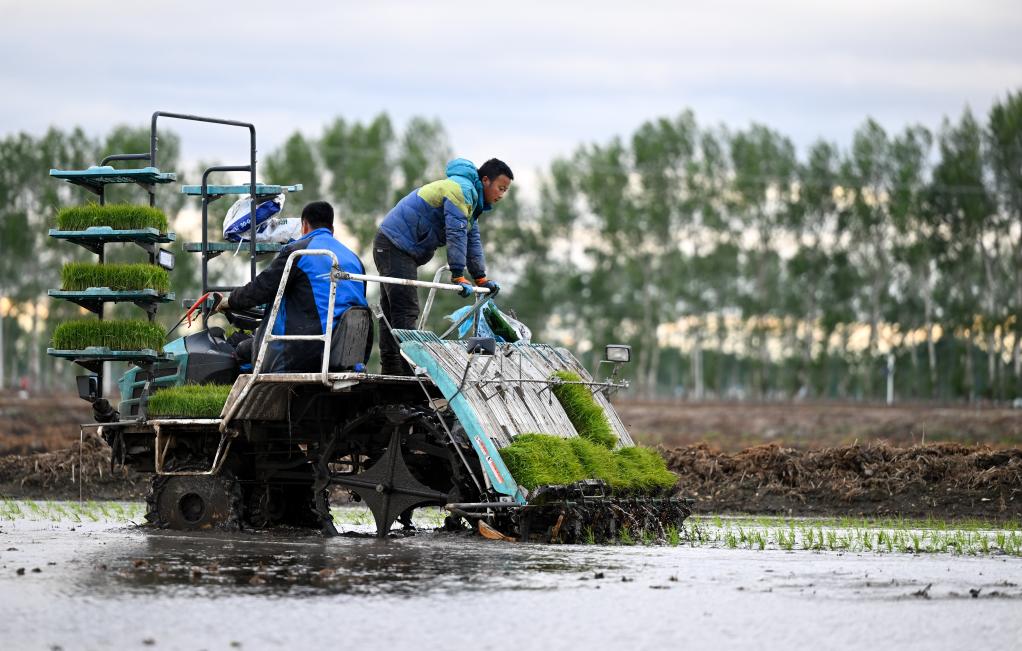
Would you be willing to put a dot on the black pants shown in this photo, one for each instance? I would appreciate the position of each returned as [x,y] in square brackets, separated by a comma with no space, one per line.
[400,303]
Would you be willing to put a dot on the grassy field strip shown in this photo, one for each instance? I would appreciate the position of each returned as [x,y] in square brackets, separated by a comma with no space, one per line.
[855,535]
[134,513]
[72,511]
[972,537]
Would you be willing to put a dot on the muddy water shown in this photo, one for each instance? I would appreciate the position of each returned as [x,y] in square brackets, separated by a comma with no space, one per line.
[105,585]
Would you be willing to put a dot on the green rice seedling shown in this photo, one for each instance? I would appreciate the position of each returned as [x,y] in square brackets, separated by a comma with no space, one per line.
[116,216]
[647,537]
[435,517]
[538,459]
[673,536]
[9,509]
[644,469]
[598,462]
[79,276]
[786,540]
[116,335]
[189,401]
[361,517]
[730,540]
[585,414]
[590,536]
[808,537]
[625,536]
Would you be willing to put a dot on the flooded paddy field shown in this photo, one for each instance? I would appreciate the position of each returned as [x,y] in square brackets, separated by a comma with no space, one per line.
[85,577]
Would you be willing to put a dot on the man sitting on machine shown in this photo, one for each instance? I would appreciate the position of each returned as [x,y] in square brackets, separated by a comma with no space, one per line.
[306,296]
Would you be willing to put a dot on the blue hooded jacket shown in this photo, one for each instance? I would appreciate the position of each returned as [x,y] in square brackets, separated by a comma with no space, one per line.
[439,213]
[306,301]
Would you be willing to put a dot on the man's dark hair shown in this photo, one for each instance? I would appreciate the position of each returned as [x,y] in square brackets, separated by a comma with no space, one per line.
[493,168]
[319,214]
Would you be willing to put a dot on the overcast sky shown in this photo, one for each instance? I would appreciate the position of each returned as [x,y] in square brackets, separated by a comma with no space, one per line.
[522,80]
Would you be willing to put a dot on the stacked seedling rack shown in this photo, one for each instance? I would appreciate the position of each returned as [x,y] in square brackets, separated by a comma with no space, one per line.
[146,285]
[92,286]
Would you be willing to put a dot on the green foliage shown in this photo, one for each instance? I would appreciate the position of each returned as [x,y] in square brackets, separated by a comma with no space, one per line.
[116,335]
[116,216]
[78,276]
[358,158]
[541,459]
[293,163]
[189,401]
[585,413]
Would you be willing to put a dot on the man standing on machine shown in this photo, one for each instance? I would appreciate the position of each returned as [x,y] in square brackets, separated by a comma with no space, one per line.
[442,212]
[306,296]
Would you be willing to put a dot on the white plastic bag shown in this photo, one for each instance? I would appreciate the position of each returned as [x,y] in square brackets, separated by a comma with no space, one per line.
[238,222]
[279,229]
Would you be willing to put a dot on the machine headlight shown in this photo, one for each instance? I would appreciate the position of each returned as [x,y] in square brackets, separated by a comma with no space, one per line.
[165,259]
[618,353]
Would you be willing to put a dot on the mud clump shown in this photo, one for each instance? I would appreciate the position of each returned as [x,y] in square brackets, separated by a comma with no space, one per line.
[62,473]
[872,479]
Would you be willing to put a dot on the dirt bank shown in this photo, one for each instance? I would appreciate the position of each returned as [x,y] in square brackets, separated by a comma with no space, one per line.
[823,458]
[64,474]
[943,480]
[736,426]
[940,480]
[40,423]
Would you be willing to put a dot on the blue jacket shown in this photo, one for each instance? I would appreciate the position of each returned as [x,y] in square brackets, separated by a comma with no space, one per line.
[306,298]
[439,213]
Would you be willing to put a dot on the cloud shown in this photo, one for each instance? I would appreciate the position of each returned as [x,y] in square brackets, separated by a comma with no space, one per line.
[531,78]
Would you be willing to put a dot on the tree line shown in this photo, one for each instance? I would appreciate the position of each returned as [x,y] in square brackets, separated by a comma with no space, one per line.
[735,265]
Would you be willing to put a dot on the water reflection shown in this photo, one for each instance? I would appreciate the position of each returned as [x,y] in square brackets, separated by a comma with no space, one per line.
[211,563]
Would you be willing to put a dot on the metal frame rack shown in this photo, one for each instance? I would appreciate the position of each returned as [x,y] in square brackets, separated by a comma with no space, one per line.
[95,179]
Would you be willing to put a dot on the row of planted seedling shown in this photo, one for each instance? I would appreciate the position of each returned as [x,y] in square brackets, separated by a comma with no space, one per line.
[84,511]
[911,538]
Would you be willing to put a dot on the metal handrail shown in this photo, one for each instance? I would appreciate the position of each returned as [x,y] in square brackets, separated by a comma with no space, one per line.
[429,299]
[336,274]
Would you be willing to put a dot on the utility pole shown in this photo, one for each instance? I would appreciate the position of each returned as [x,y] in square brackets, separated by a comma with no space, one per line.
[890,378]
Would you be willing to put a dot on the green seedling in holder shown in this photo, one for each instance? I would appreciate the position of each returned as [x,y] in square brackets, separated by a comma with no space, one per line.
[80,276]
[190,401]
[115,335]
[121,217]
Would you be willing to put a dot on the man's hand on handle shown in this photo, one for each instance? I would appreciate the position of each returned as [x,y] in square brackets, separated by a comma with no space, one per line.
[466,287]
[488,284]
[219,302]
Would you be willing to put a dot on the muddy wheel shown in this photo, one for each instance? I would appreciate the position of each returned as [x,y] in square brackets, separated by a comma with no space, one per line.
[271,504]
[266,506]
[192,502]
